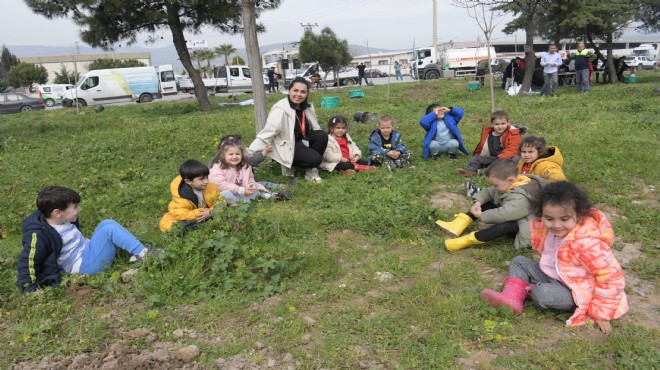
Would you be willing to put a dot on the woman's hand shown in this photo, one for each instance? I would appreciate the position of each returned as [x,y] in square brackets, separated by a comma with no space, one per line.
[356,158]
[344,159]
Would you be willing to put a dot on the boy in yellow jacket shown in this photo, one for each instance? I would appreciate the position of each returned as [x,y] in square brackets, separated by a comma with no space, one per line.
[193,197]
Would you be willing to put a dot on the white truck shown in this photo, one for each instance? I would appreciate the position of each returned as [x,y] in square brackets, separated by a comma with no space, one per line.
[235,78]
[428,63]
[650,51]
[347,76]
[167,79]
[139,84]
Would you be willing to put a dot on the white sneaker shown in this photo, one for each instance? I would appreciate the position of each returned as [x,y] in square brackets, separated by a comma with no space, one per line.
[312,174]
[286,171]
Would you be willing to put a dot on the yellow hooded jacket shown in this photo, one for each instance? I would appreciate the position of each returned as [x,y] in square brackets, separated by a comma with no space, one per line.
[549,168]
[183,207]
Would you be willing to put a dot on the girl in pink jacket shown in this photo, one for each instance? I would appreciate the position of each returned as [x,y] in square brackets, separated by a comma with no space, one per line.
[577,271]
[232,175]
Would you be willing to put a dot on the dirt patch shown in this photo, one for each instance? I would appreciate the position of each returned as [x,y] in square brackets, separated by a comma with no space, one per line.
[478,360]
[628,253]
[450,201]
[81,295]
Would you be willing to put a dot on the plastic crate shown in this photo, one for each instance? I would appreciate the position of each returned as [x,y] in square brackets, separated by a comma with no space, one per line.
[356,94]
[474,85]
[329,102]
[630,79]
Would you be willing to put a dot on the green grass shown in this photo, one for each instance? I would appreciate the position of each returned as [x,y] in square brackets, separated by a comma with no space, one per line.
[319,254]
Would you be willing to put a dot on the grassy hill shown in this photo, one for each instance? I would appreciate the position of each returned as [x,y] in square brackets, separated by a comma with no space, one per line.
[351,273]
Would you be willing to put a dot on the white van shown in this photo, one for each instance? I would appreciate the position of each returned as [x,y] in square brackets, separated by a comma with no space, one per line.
[167,79]
[138,84]
[52,94]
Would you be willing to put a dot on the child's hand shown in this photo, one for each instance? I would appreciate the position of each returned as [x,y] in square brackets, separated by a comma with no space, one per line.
[604,325]
[356,158]
[394,154]
[476,209]
[250,189]
[267,149]
[204,214]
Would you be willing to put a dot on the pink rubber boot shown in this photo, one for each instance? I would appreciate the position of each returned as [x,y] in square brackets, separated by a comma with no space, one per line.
[513,295]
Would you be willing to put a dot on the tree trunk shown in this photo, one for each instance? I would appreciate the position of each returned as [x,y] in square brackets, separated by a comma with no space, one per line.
[491,78]
[254,62]
[610,60]
[184,56]
[530,58]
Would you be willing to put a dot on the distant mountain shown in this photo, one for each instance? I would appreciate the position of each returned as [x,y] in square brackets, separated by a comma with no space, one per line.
[162,55]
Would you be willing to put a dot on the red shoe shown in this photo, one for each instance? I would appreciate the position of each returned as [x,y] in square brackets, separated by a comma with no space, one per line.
[513,295]
[347,172]
[362,167]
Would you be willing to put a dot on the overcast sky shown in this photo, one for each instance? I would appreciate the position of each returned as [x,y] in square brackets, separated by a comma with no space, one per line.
[387,24]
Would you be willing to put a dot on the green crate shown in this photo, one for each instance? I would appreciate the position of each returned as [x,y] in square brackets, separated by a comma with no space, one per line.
[356,94]
[474,85]
[329,102]
[630,79]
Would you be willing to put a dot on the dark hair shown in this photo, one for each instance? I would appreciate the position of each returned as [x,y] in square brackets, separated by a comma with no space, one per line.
[192,169]
[51,198]
[431,107]
[537,142]
[499,114]
[332,123]
[502,168]
[229,139]
[220,155]
[301,80]
[562,193]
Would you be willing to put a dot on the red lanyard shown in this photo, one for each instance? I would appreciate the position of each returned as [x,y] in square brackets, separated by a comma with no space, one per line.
[301,123]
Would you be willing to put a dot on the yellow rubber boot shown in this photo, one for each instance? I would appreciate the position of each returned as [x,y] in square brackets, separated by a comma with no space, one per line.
[457,225]
[463,242]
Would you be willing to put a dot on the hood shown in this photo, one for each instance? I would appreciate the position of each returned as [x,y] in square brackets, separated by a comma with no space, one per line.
[179,189]
[554,155]
[35,221]
[595,226]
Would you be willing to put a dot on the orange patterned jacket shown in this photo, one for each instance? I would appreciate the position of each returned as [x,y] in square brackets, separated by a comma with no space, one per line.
[588,267]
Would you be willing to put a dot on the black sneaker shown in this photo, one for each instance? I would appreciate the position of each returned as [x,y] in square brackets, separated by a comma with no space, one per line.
[283,195]
[452,157]
[435,156]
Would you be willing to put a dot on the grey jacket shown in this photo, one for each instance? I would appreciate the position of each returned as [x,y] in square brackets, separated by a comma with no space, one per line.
[512,206]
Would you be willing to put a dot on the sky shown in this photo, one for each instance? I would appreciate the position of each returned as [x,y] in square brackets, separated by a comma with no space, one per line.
[385,24]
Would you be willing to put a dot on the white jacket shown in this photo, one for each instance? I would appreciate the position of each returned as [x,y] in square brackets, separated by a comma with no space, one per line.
[332,154]
[278,132]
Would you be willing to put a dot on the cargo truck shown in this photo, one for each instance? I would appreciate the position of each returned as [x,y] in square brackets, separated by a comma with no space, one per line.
[430,63]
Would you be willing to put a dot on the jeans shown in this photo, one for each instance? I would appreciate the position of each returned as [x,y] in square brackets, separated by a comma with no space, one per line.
[360,77]
[99,253]
[398,75]
[435,147]
[551,82]
[548,292]
[232,198]
[582,80]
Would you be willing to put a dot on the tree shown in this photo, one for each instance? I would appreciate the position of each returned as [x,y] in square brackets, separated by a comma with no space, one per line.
[648,15]
[105,63]
[226,50]
[7,60]
[326,49]
[236,59]
[528,13]
[65,77]
[26,74]
[484,17]
[207,56]
[108,22]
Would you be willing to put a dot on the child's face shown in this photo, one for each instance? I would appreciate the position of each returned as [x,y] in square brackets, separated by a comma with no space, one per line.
[386,128]
[70,214]
[198,183]
[501,185]
[499,125]
[233,156]
[529,154]
[339,130]
[559,219]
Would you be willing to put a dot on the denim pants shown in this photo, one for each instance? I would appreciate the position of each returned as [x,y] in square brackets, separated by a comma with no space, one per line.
[232,198]
[551,82]
[582,80]
[548,292]
[99,253]
[435,147]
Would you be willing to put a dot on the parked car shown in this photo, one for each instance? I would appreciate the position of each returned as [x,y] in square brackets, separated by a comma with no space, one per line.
[17,102]
[374,73]
[640,62]
[52,94]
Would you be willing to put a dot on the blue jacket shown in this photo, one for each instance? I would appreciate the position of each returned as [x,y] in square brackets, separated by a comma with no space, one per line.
[376,143]
[430,123]
[37,263]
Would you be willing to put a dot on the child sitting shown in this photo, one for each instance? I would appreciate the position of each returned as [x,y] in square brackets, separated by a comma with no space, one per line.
[504,205]
[193,197]
[342,153]
[386,147]
[442,134]
[540,160]
[499,140]
[52,242]
[577,271]
[233,176]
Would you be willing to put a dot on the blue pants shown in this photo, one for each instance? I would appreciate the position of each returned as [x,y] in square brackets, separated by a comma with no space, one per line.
[232,198]
[435,147]
[582,80]
[108,236]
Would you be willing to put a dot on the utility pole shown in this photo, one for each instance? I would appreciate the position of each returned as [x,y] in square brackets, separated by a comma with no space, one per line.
[435,25]
[308,26]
